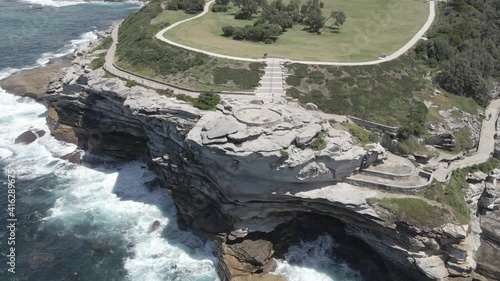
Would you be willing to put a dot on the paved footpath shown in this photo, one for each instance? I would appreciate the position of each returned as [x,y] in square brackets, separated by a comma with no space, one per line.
[485,148]
[110,67]
[398,53]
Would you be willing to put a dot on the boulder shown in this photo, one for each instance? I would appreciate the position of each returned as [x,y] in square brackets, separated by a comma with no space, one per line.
[26,138]
[74,157]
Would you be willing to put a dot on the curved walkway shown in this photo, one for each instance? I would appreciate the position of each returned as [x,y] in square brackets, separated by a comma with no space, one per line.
[398,53]
[485,148]
[109,66]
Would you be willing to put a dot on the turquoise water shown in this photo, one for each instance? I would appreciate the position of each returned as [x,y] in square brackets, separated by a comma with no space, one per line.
[72,225]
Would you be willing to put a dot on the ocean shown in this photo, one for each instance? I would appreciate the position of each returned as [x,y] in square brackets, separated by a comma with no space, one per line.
[79,223]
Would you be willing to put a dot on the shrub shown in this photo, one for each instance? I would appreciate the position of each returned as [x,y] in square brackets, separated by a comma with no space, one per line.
[222,2]
[228,31]
[219,8]
[319,143]
[463,139]
[362,135]
[131,83]
[97,63]
[173,5]
[243,15]
[268,41]
[207,101]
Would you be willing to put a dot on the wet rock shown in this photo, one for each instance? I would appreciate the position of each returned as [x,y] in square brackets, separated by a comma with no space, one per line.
[74,157]
[26,138]
[155,226]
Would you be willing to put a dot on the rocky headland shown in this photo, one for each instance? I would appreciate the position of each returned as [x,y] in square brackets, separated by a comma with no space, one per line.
[256,175]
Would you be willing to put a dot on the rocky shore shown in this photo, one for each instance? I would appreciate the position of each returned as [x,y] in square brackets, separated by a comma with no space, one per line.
[255,189]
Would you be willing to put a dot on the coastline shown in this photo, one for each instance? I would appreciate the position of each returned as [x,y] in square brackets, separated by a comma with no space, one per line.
[32,82]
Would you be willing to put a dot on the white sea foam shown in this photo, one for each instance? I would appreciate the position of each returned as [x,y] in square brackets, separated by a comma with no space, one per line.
[314,261]
[54,3]
[113,201]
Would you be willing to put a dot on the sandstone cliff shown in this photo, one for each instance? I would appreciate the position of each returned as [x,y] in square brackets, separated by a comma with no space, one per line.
[246,176]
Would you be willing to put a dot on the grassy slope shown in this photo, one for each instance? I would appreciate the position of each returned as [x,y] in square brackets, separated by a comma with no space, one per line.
[140,53]
[372,27]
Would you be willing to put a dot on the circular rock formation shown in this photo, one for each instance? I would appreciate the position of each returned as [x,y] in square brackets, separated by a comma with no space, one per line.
[254,116]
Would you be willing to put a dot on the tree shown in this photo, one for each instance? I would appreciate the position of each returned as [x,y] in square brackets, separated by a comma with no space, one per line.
[249,7]
[222,2]
[339,17]
[312,16]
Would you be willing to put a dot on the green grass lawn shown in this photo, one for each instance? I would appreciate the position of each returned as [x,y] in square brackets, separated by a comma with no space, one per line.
[372,27]
[170,17]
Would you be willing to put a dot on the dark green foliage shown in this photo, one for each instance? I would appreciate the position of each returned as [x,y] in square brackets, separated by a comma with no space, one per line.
[207,101]
[138,49]
[185,98]
[219,8]
[319,143]
[414,123]
[244,78]
[312,16]
[131,83]
[259,32]
[243,15]
[293,80]
[248,7]
[463,139]
[228,31]
[222,2]
[191,6]
[339,18]
[465,45]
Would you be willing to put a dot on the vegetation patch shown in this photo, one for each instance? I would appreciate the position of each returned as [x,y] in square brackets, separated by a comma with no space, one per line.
[412,145]
[360,134]
[319,143]
[464,46]
[97,62]
[463,139]
[207,101]
[104,44]
[245,78]
[138,51]
[384,93]
[131,83]
[412,211]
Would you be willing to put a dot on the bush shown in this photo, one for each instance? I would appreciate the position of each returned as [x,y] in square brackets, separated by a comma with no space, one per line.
[319,143]
[131,83]
[268,41]
[222,2]
[243,15]
[207,101]
[173,5]
[362,135]
[97,63]
[463,139]
[104,44]
[414,124]
[219,8]
[228,31]
[411,145]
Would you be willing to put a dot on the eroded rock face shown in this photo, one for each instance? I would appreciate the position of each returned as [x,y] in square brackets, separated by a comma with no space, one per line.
[230,179]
